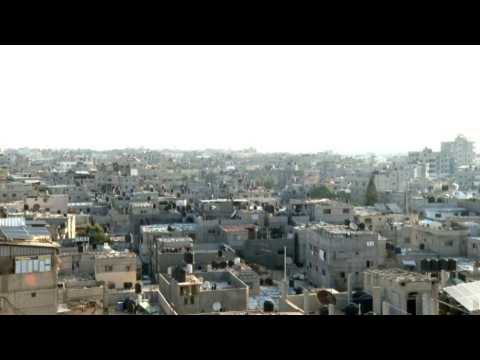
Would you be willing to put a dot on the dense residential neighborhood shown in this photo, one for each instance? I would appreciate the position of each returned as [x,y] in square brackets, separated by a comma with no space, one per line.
[139,231]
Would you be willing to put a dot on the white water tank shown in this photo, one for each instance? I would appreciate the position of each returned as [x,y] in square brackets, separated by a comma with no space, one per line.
[169,270]
[236,261]
[189,268]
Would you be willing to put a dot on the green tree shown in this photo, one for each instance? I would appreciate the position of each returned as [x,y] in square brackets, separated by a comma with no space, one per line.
[97,235]
[268,183]
[321,192]
[372,196]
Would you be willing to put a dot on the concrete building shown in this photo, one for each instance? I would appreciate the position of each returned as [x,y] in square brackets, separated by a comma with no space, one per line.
[118,270]
[460,150]
[171,252]
[13,191]
[150,233]
[444,213]
[334,251]
[28,277]
[326,210]
[57,204]
[400,292]
[204,292]
[237,235]
[442,239]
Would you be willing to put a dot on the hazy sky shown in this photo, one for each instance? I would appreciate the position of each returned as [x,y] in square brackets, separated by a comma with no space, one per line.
[349,99]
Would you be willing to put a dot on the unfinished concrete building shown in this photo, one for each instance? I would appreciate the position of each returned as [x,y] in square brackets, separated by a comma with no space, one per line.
[401,292]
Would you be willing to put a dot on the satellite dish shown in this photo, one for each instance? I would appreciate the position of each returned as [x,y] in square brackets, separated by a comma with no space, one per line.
[216,306]
[326,297]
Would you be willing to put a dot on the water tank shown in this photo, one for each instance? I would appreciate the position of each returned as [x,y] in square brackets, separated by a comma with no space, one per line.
[425,265]
[189,269]
[443,264]
[268,306]
[138,288]
[169,270]
[188,257]
[236,261]
[351,310]
[452,265]
[434,266]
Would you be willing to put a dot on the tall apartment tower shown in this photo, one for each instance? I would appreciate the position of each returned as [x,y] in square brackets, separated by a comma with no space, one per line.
[460,150]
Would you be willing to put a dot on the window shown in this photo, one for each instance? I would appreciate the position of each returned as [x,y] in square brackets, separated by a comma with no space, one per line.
[342,275]
[346,211]
[34,294]
[108,268]
[437,215]
[370,243]
[192,299]
[327,211]
[449,243]
[323,272]
[127,268]
[474,246]
[368,263]
[407,240]
[185,301]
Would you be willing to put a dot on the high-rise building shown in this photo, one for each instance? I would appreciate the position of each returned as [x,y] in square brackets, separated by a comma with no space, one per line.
[460,150]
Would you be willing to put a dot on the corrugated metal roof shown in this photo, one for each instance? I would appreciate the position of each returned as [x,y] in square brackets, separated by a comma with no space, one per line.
[467,294]
[23,232]
[12,221]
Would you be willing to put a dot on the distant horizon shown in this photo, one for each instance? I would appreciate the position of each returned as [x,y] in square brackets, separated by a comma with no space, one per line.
[208,149]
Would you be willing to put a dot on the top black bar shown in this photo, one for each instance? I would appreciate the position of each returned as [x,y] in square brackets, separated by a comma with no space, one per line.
[301,27]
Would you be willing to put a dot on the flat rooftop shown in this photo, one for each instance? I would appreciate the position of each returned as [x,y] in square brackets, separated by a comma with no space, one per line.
[399,275]
[338,229]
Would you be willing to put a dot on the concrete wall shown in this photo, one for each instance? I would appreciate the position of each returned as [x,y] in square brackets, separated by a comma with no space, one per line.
[34,293]
[118,278]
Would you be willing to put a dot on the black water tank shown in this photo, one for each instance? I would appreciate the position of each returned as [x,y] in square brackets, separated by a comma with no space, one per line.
[434,266]
[138,288]
[179,274]
[220,253]
[351,310]
[425,265]
[268,306]
[188,257]
[443,264]
[452,265]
